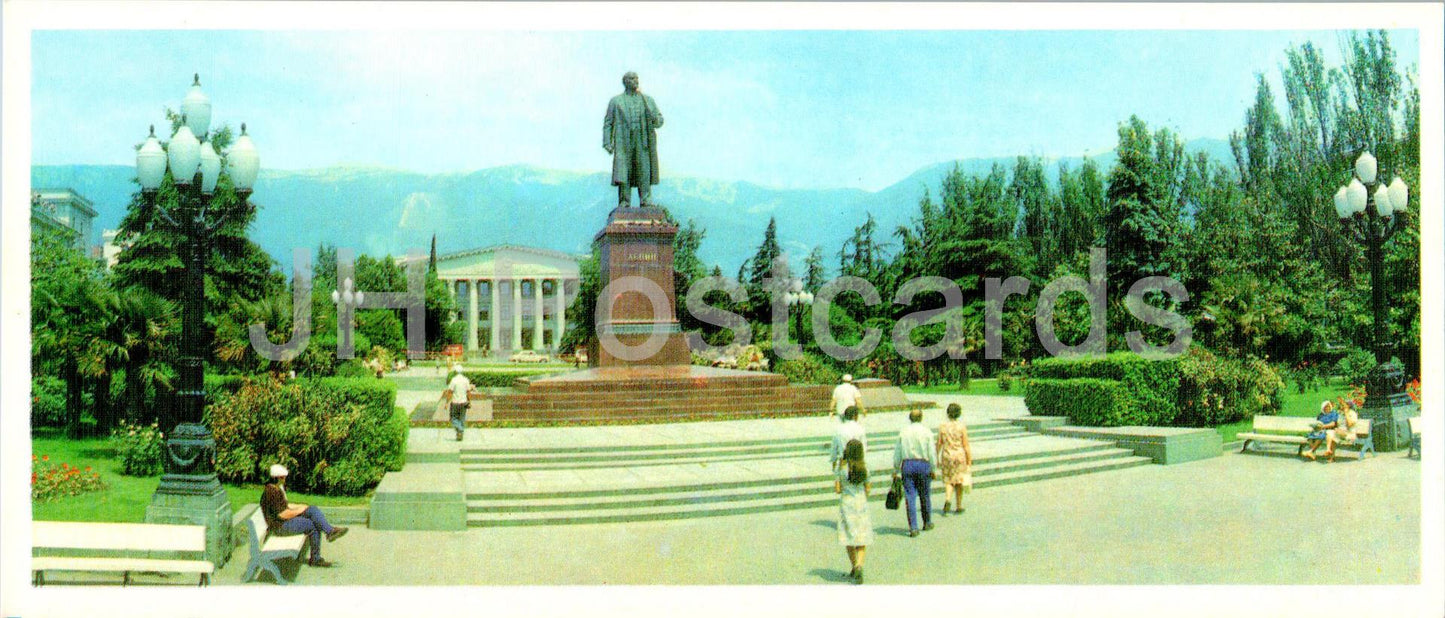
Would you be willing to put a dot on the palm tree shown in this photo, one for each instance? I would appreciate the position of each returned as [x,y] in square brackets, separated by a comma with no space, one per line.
[66,315]
[139,338]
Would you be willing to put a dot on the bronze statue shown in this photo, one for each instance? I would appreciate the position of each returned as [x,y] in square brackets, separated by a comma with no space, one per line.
[629,134]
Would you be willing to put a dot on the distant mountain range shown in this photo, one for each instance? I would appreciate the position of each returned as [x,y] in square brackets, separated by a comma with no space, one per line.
[384,211]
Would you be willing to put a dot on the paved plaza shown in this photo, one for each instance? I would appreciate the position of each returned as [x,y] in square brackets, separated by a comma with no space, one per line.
[1234,519]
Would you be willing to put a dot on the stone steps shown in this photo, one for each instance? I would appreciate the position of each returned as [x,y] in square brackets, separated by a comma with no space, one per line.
[812,448]
[672,451]
[753,483]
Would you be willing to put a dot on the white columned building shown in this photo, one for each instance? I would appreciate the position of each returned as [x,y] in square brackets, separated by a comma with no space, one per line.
[512,266]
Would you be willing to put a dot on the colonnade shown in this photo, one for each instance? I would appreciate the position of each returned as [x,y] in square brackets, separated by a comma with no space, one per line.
[472,307]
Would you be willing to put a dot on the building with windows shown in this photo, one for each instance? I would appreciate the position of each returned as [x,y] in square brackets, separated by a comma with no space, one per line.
[65,211]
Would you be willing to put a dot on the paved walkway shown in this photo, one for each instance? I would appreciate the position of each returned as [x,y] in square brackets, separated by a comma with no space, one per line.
[1235,519]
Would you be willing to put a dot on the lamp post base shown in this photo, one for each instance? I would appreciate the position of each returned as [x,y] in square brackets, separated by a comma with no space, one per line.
[189,492]
[1388,407]
[210,510]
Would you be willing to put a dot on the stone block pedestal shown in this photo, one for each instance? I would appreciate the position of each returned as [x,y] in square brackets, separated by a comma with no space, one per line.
[639,300]
[212,510]
[422,496]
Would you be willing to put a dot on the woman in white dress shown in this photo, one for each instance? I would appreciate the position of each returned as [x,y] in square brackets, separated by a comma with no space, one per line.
[855,525]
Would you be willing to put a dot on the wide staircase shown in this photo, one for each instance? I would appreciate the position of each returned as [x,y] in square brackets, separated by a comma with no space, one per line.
[702,478]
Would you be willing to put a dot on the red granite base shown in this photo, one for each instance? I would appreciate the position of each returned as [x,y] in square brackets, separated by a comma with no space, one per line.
[642,393]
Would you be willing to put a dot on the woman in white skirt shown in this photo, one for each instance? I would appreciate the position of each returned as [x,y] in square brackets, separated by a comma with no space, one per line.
[855,525]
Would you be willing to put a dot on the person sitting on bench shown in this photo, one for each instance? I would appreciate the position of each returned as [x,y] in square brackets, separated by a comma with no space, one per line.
[1344,431]
[1325,425]
[284,518]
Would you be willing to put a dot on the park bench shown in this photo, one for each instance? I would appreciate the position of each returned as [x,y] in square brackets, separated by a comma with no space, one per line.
[117,548]
[266,549]
[1414,437]
[1293,429]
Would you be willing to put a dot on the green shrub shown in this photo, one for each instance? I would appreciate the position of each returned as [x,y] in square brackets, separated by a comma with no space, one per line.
[354,368]
[1215,390]
[47,401]
[140,448]
[336,435]
[1005,382]
[1092,402]
[1153,384]
[1355,365]
[382,328]
[808,370]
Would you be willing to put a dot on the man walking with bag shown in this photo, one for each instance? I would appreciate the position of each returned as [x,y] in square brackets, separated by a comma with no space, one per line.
[913,460]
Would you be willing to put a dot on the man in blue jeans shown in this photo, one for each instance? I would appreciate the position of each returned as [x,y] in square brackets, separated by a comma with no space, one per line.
[913,460]
[285,519]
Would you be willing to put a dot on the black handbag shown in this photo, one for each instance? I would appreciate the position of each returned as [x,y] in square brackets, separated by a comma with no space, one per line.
[895,495]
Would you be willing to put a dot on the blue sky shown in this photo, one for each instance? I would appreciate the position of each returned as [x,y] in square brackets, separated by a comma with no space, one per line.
[782,108]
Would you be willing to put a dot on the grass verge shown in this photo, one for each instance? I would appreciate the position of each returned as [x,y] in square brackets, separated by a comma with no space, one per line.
[126,497]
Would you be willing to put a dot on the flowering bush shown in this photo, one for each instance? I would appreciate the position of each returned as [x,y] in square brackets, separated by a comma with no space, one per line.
[140,448]
[338,436]
[49,481]
[1413,388]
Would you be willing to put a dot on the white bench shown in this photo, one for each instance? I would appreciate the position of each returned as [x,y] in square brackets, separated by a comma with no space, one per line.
[1293,429]
[113,541]
[266,549]
[1414,437]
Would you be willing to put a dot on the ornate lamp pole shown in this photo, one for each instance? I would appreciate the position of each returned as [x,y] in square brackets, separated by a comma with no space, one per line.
[1367,209]
[189,492]
[347,299]
[797,297]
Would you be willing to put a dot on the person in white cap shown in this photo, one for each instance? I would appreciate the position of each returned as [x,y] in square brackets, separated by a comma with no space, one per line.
[846,395]
[458,394]
[285,519]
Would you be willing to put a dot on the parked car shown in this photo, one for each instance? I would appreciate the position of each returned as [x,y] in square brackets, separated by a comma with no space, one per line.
[529,356]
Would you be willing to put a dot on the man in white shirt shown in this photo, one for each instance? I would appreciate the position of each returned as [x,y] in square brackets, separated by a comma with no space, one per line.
[849,429]
[458,394]
[846,395]
[913,460]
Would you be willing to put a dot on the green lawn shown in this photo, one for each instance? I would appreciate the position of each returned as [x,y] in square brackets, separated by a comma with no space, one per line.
[976,387]
[126,497]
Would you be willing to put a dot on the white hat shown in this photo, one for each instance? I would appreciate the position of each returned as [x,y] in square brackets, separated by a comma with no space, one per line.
[457,368]
[847,377]
[278,470]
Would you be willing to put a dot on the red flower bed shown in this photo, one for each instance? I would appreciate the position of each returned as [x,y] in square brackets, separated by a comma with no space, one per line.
[50,482]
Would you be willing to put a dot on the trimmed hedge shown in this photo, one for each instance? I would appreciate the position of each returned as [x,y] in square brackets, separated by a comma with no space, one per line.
[1196,389]
[498,379]
[338,436]
[1086,401]
[1152,386]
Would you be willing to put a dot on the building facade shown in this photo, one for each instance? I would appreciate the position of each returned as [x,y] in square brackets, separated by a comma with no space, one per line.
[512,298]
[66,211]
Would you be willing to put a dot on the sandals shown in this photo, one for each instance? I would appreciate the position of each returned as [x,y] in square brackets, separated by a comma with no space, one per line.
[1308,455]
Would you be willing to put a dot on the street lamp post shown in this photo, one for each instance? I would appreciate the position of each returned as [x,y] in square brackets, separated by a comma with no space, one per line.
[1367,209]
[797,297]
[347,299]
[189,492]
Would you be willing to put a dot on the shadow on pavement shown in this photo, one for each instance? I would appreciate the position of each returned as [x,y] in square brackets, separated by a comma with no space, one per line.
[830,575]
[826,523]
[893,530]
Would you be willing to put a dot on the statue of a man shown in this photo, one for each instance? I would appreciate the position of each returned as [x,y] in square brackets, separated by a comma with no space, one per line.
[629,134]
